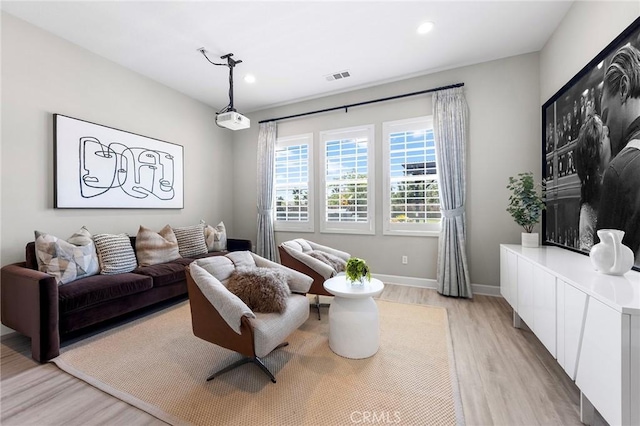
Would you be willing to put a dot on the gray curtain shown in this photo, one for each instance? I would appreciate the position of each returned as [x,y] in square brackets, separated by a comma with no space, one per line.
[266,244]
[450,131]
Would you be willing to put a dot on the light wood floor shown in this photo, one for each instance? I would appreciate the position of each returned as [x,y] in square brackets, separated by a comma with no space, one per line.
[506,376]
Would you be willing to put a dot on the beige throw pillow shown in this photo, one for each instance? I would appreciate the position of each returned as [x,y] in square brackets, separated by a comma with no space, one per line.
[216,236]
[156,247]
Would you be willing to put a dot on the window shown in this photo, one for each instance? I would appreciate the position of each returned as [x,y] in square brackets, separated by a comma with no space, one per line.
[347,180]
[411,195]
[294,184]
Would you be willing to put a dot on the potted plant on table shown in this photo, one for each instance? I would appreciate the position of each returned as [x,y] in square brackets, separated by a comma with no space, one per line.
[357,270]
[526,204]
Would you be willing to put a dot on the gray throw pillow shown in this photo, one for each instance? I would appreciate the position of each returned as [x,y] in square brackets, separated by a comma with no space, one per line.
[115,253]
[191,240]
[261,289]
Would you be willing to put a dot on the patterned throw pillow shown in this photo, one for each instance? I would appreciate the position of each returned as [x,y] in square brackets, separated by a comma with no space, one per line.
[156,247]
[115,253]
[191,240]
[215,236]
[261,289]
[67,260]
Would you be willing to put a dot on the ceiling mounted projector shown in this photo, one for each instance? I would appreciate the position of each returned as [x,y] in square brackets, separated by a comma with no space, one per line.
[228,117]
[233,120]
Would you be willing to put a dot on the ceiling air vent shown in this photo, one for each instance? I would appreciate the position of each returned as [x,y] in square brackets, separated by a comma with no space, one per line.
[338,75]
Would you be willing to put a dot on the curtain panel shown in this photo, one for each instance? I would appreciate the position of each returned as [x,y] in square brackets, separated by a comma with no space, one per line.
[266,242]
[450,121]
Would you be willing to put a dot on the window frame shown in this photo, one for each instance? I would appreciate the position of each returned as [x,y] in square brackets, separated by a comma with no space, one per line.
[403,229]
[297,226]
[362,228]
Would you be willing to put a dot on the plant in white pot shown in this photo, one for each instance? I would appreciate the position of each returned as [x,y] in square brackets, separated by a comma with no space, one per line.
[526,204]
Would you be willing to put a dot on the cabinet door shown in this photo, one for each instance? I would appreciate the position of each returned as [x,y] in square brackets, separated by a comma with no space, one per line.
[575,303]
[544,308]
[599,371]
[525,291]
[560,285]
[504,274]
[511,283]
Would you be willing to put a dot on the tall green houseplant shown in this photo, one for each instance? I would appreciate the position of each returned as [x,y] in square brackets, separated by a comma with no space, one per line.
[526,202]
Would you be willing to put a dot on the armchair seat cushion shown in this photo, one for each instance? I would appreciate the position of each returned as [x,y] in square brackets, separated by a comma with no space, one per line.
[100,288]
[271,329]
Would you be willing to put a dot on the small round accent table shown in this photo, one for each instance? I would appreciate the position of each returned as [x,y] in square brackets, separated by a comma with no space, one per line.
[354,326]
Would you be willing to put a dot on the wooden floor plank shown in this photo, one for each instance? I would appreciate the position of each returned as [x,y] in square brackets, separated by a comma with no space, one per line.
[506,376]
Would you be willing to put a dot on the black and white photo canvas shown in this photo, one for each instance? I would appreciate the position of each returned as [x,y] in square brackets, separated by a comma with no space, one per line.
[101,167]
[591,150]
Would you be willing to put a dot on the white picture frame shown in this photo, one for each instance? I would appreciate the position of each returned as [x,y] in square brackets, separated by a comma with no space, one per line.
[101,167]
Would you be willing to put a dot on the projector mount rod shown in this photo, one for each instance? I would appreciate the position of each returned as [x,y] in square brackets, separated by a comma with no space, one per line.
[231,63]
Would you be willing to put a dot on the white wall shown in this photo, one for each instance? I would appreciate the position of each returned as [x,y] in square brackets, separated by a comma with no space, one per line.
[504,139]
[43,74]
[587,28]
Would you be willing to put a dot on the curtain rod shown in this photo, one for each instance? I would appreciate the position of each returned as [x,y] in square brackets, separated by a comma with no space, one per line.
[346,107]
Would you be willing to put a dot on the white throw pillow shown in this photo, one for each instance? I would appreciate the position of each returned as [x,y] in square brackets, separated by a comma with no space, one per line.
[215,236]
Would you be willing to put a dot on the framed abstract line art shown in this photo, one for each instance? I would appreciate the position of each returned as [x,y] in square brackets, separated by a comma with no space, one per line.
[101,167]
[591,150]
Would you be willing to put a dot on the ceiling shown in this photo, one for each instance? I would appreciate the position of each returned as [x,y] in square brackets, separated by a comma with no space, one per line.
[290,47]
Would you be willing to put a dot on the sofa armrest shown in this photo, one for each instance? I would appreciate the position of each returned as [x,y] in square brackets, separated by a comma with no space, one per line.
[30,306]
[234,244]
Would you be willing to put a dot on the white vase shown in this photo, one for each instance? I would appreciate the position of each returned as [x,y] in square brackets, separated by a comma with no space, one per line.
[530,239]
[610,256]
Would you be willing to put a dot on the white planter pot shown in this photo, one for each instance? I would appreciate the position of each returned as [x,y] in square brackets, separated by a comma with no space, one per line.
[530,239]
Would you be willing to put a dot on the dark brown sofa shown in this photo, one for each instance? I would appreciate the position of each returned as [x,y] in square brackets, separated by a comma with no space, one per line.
[34,305]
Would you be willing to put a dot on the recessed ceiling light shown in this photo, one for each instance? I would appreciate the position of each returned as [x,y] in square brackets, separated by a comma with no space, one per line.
[250,78]
[425,27]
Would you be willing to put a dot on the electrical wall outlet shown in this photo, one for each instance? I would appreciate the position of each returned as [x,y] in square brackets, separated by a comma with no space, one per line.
[405,260]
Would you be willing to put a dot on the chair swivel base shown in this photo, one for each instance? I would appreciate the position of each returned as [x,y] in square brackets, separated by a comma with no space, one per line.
[255,360]
[319,305]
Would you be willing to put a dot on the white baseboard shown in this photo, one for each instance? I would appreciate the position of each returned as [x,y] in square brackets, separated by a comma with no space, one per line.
[486,290]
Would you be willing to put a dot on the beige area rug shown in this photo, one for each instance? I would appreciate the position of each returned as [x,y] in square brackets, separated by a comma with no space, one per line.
[158,365]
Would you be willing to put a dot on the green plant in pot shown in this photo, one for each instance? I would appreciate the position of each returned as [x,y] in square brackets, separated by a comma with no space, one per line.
[526,204]
[357,270]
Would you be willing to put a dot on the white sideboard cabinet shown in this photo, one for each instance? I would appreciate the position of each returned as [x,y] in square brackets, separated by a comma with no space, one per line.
[589,322]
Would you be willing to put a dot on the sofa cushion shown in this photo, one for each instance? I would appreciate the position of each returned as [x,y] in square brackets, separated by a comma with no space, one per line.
[115,253]
[165,273]
[100,288]
[153,247]
[67,260]
[191,240]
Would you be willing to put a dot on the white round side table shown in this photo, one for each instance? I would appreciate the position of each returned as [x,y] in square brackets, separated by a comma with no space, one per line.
[354,326]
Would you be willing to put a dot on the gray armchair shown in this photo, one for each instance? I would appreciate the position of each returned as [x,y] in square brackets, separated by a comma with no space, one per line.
[295,254]
[220,317]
